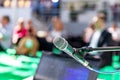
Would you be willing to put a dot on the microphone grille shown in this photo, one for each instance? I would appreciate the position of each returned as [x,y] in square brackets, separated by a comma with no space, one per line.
[60,43]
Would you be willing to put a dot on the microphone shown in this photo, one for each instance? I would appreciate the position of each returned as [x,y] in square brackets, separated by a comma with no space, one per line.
[63,45]
[78,54]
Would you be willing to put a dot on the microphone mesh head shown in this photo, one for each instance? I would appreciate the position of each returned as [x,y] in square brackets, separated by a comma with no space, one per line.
[60,43]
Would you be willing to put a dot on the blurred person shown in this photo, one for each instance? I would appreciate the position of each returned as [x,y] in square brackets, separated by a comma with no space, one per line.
[54,19]
[57,30]
[5,33]
[28,45]
[88,32]
[115,31]
[30,27]
[101,37]
[19,31]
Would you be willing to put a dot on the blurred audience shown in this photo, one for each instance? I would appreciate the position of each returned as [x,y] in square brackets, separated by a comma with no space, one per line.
[5,33]
[101,37]
[19,31]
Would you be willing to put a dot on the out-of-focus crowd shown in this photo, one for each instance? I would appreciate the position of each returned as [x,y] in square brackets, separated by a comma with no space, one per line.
[99,35]
[27,40]
[20,36]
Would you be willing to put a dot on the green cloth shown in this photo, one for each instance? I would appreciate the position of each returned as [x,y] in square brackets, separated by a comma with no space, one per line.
[114,76]
[17,67]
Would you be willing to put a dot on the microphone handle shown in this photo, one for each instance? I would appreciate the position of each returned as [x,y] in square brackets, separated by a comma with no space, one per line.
[81,60]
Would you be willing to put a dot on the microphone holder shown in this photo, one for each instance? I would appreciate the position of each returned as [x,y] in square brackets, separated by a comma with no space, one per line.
[84,50]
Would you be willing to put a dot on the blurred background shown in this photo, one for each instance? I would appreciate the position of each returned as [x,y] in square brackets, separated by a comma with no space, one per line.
[42,11]
[28,27]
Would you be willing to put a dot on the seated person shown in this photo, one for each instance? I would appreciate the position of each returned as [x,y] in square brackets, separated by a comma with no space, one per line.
[58,29]
[45,37]
[28,44]
[5,33]
[115,32]
[101,38]
[19,31]
[31,27]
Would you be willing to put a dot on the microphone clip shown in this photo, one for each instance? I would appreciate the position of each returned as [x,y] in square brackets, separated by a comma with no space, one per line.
[83,51]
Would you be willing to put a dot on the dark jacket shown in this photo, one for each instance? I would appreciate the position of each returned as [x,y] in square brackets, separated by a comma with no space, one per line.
[105,40]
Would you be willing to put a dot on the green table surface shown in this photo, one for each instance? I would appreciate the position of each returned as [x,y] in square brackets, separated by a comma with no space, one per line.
[17,67]
[113,67]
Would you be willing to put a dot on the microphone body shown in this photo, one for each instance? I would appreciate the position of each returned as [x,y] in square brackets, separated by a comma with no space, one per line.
[63,45]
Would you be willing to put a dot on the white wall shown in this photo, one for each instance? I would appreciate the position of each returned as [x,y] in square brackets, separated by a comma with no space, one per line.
[14,14]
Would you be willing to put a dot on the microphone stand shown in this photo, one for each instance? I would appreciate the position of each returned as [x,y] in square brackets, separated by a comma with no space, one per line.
[80,53]
[84,50]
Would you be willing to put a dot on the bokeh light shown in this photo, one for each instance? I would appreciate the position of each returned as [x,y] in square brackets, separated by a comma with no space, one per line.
[55,1]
